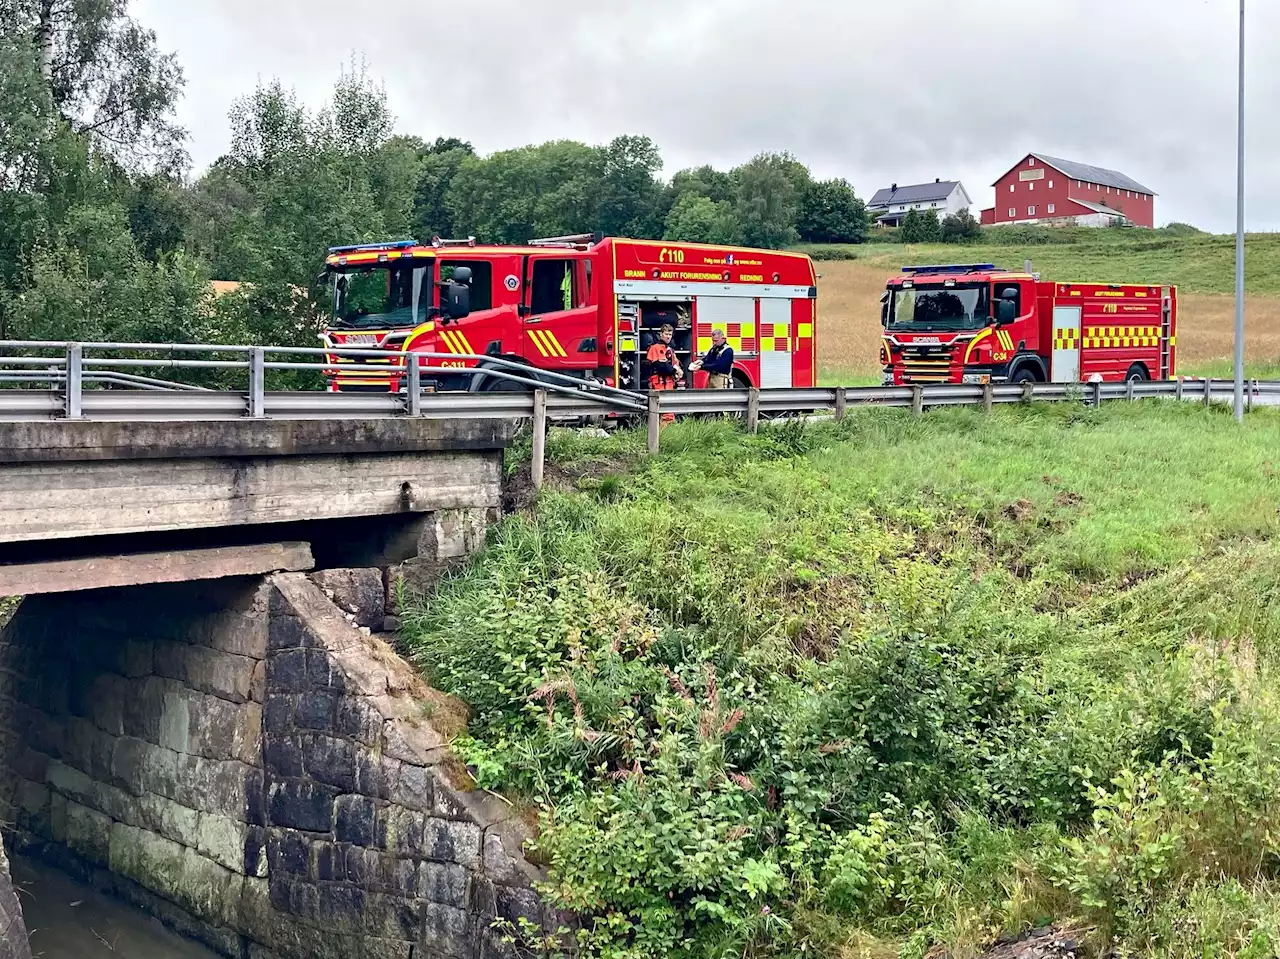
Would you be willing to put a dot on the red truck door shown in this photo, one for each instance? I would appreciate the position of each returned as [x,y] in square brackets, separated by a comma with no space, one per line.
[559,323]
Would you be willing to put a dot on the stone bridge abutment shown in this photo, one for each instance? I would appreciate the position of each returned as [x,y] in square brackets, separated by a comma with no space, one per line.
[241,759]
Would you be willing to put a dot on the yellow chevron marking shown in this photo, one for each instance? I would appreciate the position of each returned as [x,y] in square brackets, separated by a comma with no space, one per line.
[541,341]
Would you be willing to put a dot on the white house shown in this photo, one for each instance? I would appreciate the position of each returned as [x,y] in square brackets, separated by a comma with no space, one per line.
[944,197]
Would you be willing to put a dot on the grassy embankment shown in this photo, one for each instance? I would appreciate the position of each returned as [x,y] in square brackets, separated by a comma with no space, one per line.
[871,689]
[1202,266]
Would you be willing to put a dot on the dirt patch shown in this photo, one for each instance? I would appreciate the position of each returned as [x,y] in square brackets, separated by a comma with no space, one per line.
[1068,498]
[518,493]
[1048,942]
[1019,512]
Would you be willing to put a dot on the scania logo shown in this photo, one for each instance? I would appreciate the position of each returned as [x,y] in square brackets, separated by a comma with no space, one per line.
[927,341]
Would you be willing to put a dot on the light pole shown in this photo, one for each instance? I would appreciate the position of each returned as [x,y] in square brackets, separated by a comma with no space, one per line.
[1240,239]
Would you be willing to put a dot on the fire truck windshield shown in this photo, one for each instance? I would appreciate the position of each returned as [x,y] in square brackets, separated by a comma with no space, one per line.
[390,297]
[934,306]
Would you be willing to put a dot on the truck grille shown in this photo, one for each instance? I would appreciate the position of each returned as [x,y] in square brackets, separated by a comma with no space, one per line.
[931,365]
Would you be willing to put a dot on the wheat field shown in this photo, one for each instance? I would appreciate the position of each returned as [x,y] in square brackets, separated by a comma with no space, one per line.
[849,327]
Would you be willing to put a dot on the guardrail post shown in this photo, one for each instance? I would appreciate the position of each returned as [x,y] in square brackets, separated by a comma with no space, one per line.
[1097,394]
[1208,392]
[655,421]
[1128,390]
[257,382]
[539,436]
[75,381]
[1028,391]
[917,400]
[1253,391]
[753,411]
[1177,390]
[413,386]
[988,396]
[841,401]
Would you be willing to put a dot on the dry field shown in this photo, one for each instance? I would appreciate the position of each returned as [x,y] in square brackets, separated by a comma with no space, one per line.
[849,326]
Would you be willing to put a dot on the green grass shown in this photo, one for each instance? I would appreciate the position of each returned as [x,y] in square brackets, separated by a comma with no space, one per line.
[1196,263]
[876,687]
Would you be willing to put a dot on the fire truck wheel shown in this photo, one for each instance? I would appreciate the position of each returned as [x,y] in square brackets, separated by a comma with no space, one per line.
[1024,375]
[494,384]
[1137,374]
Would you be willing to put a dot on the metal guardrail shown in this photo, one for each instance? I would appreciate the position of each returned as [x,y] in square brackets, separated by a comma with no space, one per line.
[74,365]
[543,396]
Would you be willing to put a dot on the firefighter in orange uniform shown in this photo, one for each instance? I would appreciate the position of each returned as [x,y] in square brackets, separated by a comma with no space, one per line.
[663,366]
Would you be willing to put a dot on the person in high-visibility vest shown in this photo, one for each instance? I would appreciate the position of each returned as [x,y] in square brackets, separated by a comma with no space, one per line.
[566,286]
[663,366]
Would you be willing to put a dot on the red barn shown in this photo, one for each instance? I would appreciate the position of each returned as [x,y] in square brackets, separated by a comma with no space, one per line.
[1045,189]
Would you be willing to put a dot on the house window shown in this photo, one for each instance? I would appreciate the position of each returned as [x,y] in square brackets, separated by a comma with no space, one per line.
[1011,187]
[1012,213]
[1031,211]
[1031,161]
[1051,209]
[1050,184]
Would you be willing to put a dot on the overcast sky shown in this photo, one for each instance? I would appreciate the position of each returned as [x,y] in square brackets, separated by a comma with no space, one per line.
[875,92]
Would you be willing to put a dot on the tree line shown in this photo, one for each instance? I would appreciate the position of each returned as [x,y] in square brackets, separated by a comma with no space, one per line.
[106,235]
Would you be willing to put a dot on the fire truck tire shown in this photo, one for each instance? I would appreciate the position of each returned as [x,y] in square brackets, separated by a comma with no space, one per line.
[493,384]
[1137,374]
[1025,375]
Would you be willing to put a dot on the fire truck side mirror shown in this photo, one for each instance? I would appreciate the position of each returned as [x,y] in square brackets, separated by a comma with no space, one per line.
[1007,308]
[457,301]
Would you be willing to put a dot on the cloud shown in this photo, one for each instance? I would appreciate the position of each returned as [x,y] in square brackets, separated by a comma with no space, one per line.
[873,92]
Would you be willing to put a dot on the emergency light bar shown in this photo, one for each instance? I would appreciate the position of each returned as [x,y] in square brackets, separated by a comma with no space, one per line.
[952,268]
[363,247]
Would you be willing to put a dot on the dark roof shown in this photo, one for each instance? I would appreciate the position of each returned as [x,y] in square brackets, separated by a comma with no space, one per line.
[917,193]
[1094,174]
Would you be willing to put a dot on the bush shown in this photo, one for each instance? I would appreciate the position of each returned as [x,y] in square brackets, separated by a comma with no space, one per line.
[825,253]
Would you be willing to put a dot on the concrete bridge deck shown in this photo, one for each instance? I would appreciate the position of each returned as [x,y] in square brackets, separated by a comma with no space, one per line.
[95,504]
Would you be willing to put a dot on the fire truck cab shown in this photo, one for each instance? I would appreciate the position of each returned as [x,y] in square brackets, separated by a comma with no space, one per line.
[587,306]
[974,323]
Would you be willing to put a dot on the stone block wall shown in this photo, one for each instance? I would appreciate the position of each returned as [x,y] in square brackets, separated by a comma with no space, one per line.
[242,760]
[13,932]
[369,841]
[131,727]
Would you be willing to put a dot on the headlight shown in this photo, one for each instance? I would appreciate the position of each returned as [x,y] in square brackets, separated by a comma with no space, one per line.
[976,379]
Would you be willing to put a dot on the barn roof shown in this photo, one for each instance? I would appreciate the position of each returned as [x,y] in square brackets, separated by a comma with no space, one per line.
[917,193]
[1099,207]
[1094,174]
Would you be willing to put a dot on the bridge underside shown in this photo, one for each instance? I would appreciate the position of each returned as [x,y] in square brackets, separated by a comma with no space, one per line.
[95,505]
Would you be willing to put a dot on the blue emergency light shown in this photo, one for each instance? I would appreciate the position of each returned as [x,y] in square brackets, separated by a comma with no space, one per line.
[363,247]
[952,268]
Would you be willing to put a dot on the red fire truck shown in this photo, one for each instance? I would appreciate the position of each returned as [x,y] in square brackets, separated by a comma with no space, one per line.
[977,324]
[588,306]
